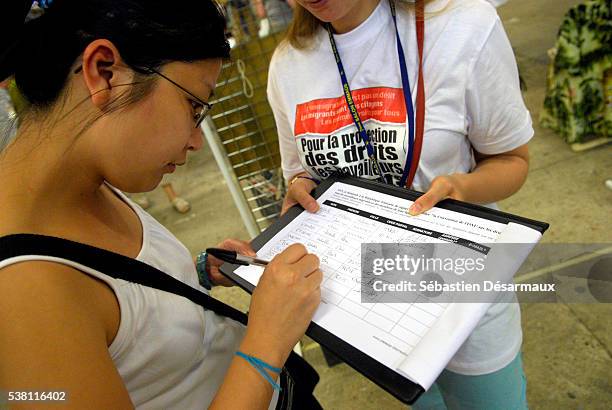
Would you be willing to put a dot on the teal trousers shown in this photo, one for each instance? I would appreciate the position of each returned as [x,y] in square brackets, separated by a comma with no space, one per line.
[505,389]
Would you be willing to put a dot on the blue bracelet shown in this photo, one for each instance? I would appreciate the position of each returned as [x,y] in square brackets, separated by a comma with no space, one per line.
[203,277]
[261,367]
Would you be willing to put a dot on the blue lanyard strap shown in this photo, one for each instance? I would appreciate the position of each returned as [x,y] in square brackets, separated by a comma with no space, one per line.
[407,97]
[407,100]
[353,109]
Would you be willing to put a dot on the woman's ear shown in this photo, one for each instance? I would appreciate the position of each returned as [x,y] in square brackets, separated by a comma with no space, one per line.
[102,69]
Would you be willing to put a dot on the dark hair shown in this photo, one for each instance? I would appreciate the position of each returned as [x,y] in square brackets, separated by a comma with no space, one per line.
[147,33]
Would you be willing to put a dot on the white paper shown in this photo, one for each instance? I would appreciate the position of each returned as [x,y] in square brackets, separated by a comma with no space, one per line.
[415,339]
[437,347]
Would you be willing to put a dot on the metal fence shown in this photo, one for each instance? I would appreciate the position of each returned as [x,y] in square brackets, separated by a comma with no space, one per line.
[241,129]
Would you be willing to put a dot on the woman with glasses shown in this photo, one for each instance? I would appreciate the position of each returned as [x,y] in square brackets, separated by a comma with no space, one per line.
[417,94]
[117,91]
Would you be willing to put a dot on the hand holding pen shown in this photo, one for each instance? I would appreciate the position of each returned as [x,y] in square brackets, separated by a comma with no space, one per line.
[283,302]
[228,245]
[286,297]
[235,257]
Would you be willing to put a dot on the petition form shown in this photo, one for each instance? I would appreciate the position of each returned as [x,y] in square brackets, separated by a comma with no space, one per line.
[415,338]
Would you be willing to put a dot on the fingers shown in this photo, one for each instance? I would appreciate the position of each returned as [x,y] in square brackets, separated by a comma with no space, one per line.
[237,245]
[287,203]
[315,278]
[291,254]
[307,264]
[299,192]
[242,247]
[439,190]
[307,201]
[219,279]
[303,263]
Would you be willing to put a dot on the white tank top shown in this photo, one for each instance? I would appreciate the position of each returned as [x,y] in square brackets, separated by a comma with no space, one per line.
[170,353]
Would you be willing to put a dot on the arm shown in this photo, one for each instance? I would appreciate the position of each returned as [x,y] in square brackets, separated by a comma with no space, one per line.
[291,280]
[243,386]
[499,129]
[61,342]
[53,336]
[298,192]
[290,159]
[495,177]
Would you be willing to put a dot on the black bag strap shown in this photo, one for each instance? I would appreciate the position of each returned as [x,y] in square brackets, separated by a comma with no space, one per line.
[112,264]
[299,378]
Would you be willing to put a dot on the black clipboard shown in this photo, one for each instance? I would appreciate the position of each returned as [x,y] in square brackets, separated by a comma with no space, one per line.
[399,386]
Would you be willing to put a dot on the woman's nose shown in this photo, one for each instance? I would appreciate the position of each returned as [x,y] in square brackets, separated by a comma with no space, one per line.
[196,140]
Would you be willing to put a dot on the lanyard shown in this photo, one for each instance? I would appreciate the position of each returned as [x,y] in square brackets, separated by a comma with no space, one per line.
[414,144]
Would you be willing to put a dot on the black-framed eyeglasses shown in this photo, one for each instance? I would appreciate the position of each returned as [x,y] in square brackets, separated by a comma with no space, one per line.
[200,114]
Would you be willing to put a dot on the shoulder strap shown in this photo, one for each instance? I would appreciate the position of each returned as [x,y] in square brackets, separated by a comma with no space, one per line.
[112,264]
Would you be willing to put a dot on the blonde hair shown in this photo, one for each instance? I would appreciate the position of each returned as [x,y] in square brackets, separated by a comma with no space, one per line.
[304,25]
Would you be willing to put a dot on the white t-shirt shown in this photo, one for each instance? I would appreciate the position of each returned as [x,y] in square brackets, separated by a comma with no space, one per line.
[169,351]
[473,99]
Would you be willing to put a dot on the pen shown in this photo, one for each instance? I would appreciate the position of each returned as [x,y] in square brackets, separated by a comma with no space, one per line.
[235,258]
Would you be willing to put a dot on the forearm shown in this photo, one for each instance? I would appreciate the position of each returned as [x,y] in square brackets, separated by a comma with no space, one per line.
[494,178]
[243,386]
[299,174]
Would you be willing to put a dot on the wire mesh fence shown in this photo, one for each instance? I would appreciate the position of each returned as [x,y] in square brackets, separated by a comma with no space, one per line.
[242,116]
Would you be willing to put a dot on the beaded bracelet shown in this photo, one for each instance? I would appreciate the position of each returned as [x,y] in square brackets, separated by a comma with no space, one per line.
[203,277]
[261,367]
